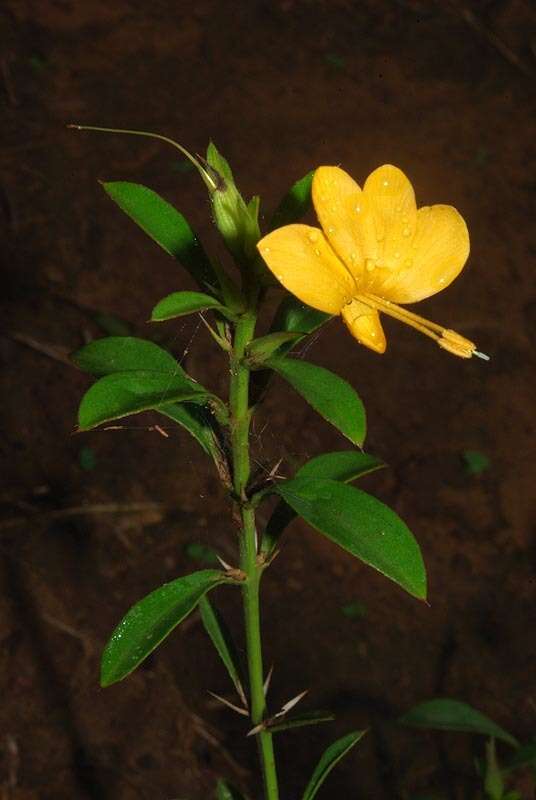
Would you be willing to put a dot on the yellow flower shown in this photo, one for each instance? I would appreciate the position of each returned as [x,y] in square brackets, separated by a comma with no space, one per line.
[375,249]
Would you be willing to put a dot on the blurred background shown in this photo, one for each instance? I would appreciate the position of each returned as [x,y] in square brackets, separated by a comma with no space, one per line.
[92,522]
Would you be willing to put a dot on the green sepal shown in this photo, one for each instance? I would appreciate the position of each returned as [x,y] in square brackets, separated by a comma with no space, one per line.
[445,714]
[361,525]
[294,204]
[344,465]
[166,226]
[151,620]
[330,759]
[236,222]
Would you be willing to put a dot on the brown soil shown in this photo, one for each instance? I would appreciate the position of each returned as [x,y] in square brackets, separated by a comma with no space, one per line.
[445,92]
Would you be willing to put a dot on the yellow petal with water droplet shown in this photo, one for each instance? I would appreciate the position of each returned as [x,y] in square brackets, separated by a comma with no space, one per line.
[337,199]
[390,202]
[302,260]
[364,325]
[439,252]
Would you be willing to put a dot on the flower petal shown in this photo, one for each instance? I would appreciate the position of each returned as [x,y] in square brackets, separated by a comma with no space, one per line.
[364,325]
[336,198]
[302,260]
[439,251]
[390,201]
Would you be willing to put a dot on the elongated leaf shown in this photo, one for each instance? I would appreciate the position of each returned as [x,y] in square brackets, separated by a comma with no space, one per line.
[524,756]
[165,225]
[332,397]
[225,791]
[295,317]
[124,393]
[362,525]
[151,620]
[198,421]
[180,303]
[262,348]
[344,465]
[452,715]
[123,353]
[300,720]
[331,757]
[222,641]
[294,204]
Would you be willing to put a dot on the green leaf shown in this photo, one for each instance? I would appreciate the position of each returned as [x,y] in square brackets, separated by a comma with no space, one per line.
[344,465]
[331,757]
[294,204]
[362,525]
[524,756]
[124,393]
[452,715]
[262,348]
[178,304]
[332,397]
[198,421]
[222,641]
[300,720]
[165,225]
[124,353]
[225,791]
[151,620]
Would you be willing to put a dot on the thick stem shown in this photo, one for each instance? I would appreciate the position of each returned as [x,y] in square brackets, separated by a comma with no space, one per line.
[240,420]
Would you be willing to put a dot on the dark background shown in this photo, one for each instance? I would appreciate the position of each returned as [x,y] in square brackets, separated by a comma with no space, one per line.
[445,91]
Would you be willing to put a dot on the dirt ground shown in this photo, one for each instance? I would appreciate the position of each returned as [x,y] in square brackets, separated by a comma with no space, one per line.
[444,90]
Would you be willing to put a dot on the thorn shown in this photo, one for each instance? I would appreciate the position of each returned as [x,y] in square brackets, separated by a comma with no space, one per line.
[291,703]
[483,356]
[239,710]
[242,695]
[224,564]
[268,680]
[160,430]
[256,729]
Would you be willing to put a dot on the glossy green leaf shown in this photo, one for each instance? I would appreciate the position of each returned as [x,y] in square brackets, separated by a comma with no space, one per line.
[362,525]
[225,791]
[295,317]
[294,204]
[222,641]
[330,759]
[332,397]
[124,353]
[151,620]
[178,304]
[124,393]
[265,346]
[452,715]
[197,420]
[165,225]
[301,720]
[344,465]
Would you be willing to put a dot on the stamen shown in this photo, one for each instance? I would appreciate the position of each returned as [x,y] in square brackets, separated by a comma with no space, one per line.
[448,340]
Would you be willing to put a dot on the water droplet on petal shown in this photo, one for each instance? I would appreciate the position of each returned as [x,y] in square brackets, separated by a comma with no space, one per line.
[385,183]
[331,229]
[317,252]
[313,236]
[266,250]
[358,209]
[353,257]
[398,207]
[406,231]
[408,262]
[396,254]
[441,281]
[370,263]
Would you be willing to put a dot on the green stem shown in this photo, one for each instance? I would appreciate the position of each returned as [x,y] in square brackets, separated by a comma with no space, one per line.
[240,420]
